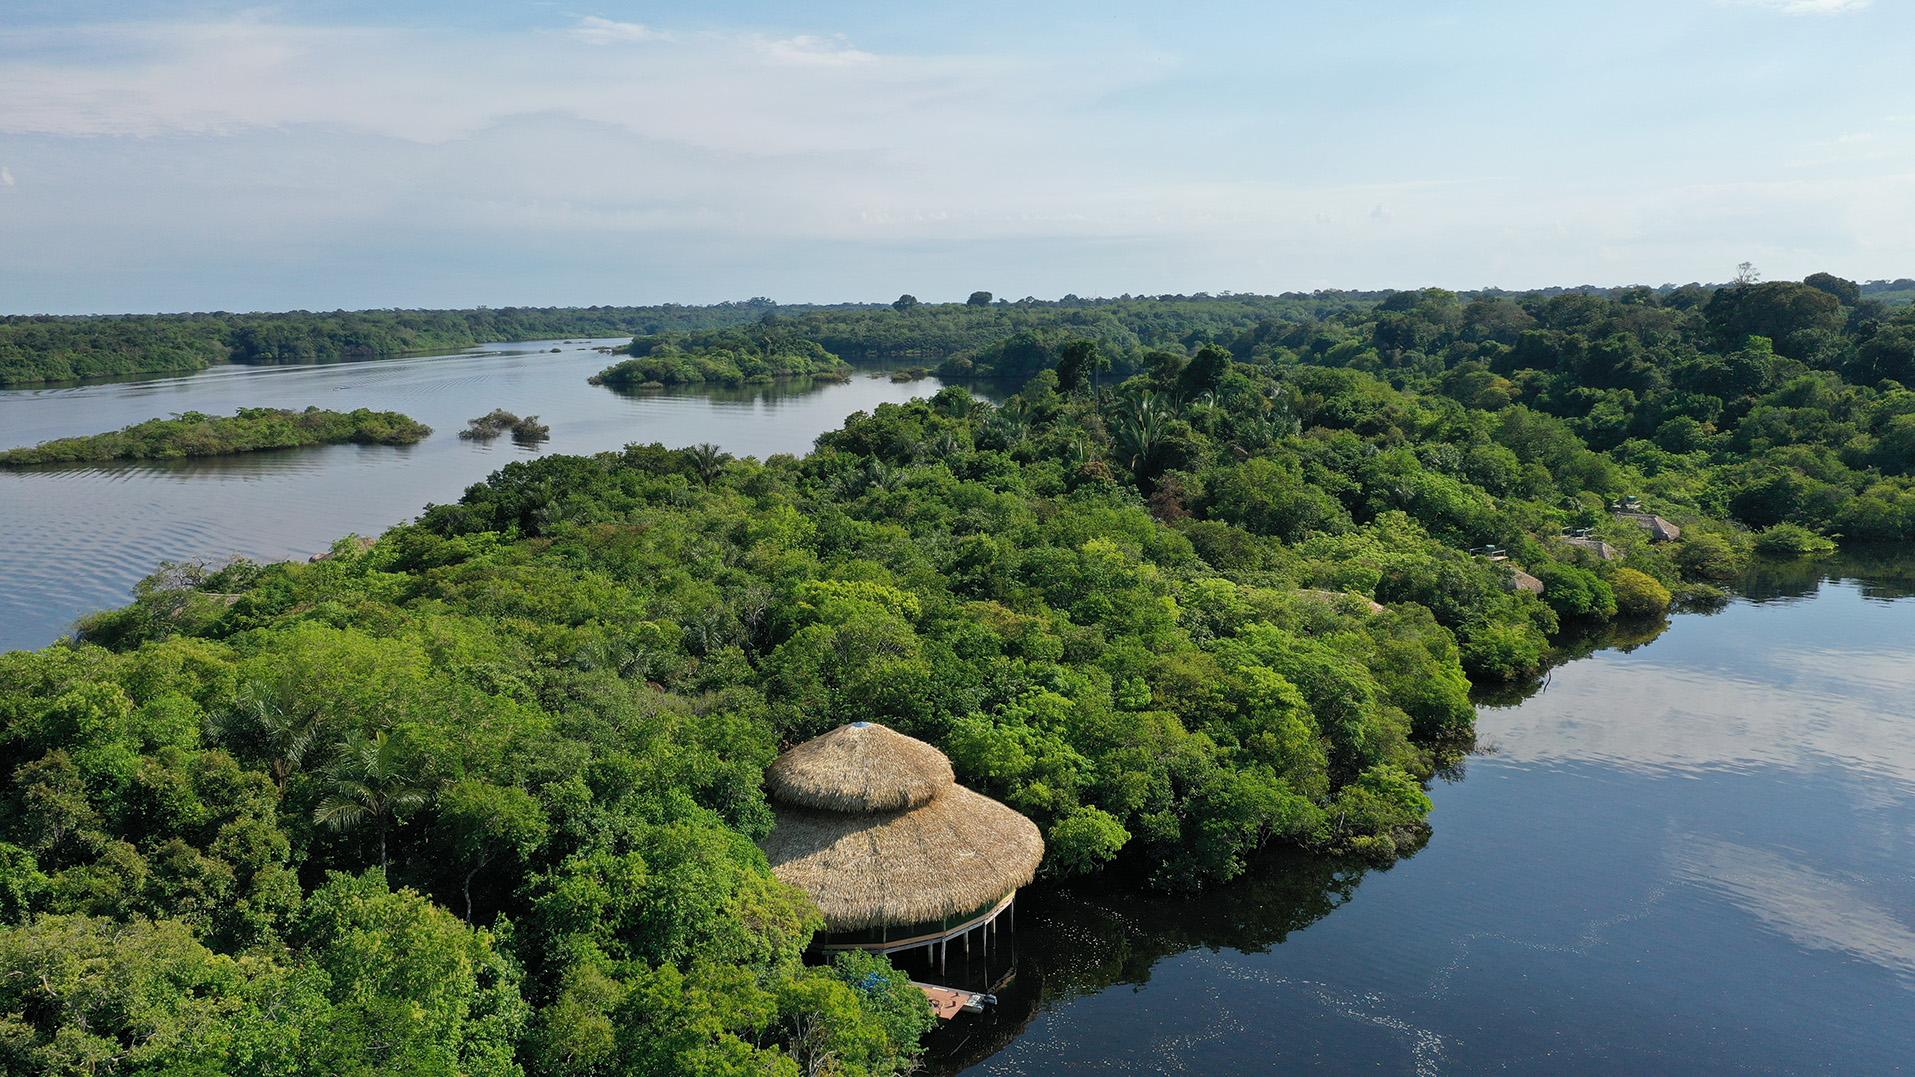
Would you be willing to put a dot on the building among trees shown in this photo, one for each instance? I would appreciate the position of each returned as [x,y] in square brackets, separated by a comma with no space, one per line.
[873,825]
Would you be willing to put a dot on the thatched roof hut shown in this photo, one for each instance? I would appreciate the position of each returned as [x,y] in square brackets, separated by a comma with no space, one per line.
[873,825]
[1522,581]
[1594,545]
[1660,530]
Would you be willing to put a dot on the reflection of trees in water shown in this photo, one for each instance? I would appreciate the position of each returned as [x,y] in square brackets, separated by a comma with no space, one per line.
[1576,641]
[1080,940]
[1888,571]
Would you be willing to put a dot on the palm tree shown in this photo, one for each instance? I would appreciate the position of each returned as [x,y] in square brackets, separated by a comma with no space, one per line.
[1141,430]
[945,447]
[287,735]
[708,461]
[374,779]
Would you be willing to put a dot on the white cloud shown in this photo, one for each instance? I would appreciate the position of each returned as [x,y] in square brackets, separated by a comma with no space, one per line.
[594,30]
[833,168]
[834,50]
[1801,7]
[6,176]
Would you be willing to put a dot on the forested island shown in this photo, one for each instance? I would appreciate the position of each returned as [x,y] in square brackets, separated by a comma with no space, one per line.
[733,357]
[482,796]
[247,430]
[44,348]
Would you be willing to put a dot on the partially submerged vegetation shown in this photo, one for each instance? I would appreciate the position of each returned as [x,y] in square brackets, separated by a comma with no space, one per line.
[526,430]
[247,430]
[732,357]
[485,795]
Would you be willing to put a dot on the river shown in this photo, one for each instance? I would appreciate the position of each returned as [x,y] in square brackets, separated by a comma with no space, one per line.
[75,539]
[1691,852]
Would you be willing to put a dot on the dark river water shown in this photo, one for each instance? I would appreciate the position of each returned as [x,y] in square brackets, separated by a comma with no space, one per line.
[1690,851]
[1694,854]
[74,539]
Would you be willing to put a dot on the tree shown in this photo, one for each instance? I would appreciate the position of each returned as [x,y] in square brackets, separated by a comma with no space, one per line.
[1779,310]
[412,989]
[979,299]
[1847,291]
[904,302]
[1204,373]
[708,461]
[1077,361]
[376,779]
[483,822]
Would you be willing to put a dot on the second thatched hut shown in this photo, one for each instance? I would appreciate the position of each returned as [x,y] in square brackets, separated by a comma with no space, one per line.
[873,825]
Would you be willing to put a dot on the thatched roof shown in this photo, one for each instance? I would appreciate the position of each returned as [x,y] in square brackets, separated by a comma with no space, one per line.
[1338,598]
[872,824]
[1522,581]
[861,767]
[1594,545]
[1659,529]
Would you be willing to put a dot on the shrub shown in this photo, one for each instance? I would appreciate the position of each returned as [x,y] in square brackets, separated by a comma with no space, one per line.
[1791,540]
[1708,556]
[1638,594]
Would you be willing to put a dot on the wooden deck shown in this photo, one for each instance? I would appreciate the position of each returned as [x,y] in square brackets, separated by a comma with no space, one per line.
[948,1002]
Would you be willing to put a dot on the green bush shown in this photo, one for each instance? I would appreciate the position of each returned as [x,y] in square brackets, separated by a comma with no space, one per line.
[1709,556]
[1791,540]
[1638,594]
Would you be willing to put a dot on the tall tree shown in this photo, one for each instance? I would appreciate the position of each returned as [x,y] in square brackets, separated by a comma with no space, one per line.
[377,780]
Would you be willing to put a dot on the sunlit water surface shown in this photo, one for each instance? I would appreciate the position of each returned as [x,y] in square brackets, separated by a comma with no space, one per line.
[74,539]
[1696,855]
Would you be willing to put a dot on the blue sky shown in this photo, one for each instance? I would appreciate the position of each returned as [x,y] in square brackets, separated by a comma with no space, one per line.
[180,154]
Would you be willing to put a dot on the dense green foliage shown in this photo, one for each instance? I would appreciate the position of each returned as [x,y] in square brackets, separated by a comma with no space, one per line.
[1764,403]
[482,796]
[247,430]
[735,356]
[37,348]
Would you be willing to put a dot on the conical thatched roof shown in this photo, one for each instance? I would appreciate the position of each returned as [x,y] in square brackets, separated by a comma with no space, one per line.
[860,767]
[948,852]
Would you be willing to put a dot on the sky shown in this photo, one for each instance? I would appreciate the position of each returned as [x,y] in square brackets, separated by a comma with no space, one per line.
[205,155]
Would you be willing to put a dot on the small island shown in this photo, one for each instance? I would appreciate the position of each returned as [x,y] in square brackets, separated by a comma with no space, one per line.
[526,430]
[195,433]
[734,357]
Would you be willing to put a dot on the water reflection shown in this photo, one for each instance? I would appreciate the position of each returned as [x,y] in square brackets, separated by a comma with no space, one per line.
[1080,941]
[1813,908]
